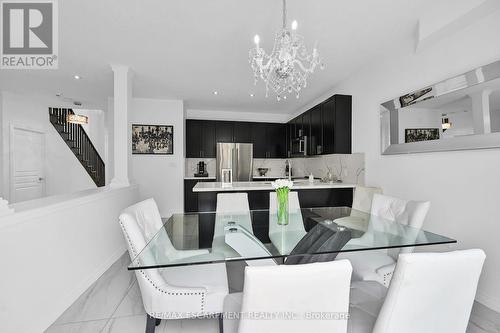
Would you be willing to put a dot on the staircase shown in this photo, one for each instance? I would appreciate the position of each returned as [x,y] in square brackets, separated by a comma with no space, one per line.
[78,141]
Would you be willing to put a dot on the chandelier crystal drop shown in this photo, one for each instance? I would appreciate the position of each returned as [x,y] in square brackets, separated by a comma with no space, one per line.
[286,69]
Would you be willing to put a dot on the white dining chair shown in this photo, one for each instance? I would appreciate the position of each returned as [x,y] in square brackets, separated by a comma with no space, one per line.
[285,237]
[430,292]
[378,265]
[174,292]
[291,299]
[231,207]
[361,207]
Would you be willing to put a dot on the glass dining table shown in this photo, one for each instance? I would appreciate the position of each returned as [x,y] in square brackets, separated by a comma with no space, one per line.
[312,234]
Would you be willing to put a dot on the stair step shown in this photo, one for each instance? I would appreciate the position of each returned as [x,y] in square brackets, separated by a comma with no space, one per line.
[66,133]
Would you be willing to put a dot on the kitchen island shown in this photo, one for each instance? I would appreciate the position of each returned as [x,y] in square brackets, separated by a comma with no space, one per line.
[311,195]
[266,186]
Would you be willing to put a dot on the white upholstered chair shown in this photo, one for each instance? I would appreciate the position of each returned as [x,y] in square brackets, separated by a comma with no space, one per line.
[430,292]
[298,290]
[379,265]
[285,237]
[361,203]
[174,292]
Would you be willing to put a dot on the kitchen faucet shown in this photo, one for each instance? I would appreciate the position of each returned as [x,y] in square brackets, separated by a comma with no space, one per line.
[288,163]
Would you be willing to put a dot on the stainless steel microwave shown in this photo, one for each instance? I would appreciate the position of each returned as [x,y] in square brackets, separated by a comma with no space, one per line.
[299,146]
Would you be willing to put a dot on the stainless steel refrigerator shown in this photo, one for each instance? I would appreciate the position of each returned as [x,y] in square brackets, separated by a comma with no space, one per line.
[235,156]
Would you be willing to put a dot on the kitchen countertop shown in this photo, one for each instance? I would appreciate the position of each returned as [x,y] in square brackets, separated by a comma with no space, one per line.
[266,186]
[200,178]
[268,177]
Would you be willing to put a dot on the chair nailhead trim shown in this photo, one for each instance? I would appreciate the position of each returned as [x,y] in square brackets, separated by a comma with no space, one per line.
[132,249]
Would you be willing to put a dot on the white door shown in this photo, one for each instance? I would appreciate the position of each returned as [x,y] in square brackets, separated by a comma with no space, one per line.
[27,152]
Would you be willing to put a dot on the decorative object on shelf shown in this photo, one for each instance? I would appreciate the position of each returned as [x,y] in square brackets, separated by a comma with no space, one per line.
[282,187]
[227,177]
[421,134]
[262,171]
[445,123]
[153,139]
[77,119]
[286,69]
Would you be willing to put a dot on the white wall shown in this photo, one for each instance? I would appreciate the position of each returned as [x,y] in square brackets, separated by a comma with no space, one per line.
[418,118]
[237,116]
[52,254]
[463,186]
[63,172]
[161,176]
[95,128]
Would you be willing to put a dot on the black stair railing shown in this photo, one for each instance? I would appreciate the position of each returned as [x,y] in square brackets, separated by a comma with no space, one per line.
[80,144]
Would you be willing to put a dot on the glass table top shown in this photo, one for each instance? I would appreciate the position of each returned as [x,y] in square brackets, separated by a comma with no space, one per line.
[311,234]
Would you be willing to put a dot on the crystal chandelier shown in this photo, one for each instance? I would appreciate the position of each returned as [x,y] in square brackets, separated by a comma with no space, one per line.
[286,69]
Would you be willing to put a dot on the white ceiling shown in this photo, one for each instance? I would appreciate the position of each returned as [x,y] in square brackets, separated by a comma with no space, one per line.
[186,49]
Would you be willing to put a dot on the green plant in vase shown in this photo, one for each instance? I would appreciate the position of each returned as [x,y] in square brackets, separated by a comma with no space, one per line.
[282,187]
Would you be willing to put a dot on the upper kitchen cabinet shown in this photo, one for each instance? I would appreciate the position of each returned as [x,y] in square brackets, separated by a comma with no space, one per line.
[337,123]
[269,140]
[200,139]
[276,140]
[342,140]
[224,131]
[259,140]
[316,141]
[242,132]
[327,127]
[336,118]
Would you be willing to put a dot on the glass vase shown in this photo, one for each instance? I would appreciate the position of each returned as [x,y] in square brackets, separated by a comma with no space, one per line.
[282,199]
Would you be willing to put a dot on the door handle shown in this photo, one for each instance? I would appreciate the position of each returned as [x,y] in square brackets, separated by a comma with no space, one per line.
[40,179]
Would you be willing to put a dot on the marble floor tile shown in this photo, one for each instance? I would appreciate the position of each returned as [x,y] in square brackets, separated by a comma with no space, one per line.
[131,304]
[94,326]
[136,324]
[103,297]
[483,319]
[131,324]
[113,304]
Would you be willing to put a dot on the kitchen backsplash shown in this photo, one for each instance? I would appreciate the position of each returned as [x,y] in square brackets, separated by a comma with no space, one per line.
[191,166]
[350,168]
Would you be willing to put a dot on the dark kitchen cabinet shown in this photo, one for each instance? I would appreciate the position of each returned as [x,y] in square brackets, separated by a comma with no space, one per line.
[276,140]
[316,142]
[190,197]
[193,138]
[259,140]
[224,131]
[337,124]
[242,132]
[328,115]
[306,123]
[269,140]
[343,124]
[200,139]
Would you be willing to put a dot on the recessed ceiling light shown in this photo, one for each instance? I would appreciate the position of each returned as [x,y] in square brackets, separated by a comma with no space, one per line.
[216,92]
[251,95]
[77,77]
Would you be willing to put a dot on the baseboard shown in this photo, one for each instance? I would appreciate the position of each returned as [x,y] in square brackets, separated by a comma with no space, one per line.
[80,288]
[491,302]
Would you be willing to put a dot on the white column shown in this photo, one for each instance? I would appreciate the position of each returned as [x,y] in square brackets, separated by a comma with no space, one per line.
[121,132]
[481,111]
[4,208]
